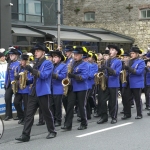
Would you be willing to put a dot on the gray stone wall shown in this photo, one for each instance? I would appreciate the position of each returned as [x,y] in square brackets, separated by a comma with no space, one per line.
[111,15]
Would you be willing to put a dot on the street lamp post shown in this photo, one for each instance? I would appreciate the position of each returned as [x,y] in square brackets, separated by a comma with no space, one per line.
[58,24]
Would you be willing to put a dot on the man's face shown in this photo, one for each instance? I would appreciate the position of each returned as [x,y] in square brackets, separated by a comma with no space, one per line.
[77,57]
[68,53]
[134,55]
[112,52]
[13,57]
[126,58]
[23,63]
[148,64]
[39,54]
[2,58]
[90,59]
[100,56]
[56,59]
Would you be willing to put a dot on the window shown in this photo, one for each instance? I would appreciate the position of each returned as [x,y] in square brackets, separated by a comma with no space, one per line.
[89,16]
[145,14]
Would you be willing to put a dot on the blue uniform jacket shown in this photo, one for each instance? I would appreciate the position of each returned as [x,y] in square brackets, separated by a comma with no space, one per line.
[10,74]
[94,69]
[147,78]
[25,90]
[114,80]
[43,82]
[136,80]
[68,61]
[81,70]
[61,71]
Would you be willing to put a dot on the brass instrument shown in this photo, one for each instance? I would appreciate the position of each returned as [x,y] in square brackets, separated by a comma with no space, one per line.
[123,76]
[14,83]
[23,80]
[66,81]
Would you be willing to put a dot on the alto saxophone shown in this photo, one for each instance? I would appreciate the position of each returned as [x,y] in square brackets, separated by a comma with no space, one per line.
[66,81]
[14,83]
[123,76]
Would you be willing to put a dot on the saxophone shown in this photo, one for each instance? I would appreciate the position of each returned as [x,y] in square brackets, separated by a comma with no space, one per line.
[123,74]
[14,83]
[66,81]
[23,79]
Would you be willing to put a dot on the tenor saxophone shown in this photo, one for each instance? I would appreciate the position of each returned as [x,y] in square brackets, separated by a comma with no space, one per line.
[23,79]
[66,81]
[14,83]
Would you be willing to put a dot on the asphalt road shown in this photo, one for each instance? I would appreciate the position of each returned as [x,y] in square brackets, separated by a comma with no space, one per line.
[130,134]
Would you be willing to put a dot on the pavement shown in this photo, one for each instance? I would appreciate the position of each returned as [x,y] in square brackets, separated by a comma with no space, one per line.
[130,134]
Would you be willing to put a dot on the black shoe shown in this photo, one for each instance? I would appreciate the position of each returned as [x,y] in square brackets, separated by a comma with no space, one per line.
[102,121]
[96,115]
[66,128]
[138,117]
[16,118]
[57,124]
[79,119]
[81,127]
[147,108]
[88,118]
[122,112]
[23,138]
[40,123]
[51,135]
[7,118]
[125,117]
[20,121]
[113,121]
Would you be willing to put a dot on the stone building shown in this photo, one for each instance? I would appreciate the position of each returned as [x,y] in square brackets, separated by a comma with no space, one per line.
[127,17]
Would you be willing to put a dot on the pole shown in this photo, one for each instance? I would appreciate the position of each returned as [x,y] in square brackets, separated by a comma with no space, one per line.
[58,24]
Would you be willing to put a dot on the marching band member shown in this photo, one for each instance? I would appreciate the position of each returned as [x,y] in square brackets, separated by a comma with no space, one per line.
[68,53]
[78,78]
[59,73]
[10,76]
[113,69]
[39,93]
[22,93]
[126,91]
[147,84]
[136,78]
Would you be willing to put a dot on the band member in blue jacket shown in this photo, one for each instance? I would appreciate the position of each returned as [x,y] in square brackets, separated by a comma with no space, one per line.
[10,76]
[78,76]
[59,73]
[113,69]
[69,59]
[136,78]
[147,84]
[22,93]
[127,96]
[39,93]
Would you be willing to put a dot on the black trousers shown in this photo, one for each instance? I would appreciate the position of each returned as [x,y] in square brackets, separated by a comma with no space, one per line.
[137,96]
[57,107]
[80,96]
[44,102]
[88,105]
[17,103]
[8,101]
[41,117]
[103,97]
[127,98]
[113,102]
[147,96]
[65,102]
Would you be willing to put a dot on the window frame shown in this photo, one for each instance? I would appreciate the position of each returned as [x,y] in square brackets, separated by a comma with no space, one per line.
[89,12]
[142,10]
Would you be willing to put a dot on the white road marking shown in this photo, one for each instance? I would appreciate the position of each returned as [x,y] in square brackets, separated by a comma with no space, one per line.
[98,131]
